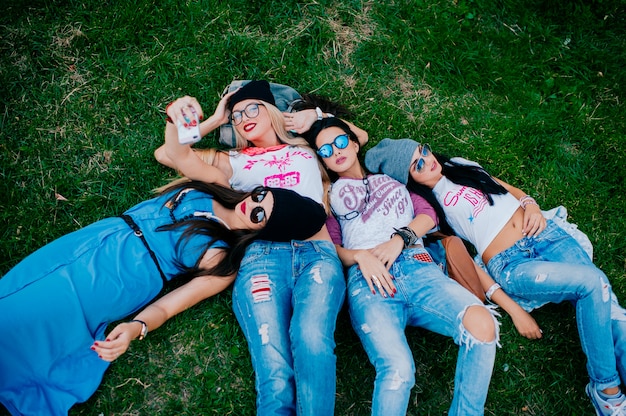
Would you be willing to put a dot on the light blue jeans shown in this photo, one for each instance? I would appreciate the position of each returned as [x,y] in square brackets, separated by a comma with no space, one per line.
[286,298]
[552,267]
[429,299]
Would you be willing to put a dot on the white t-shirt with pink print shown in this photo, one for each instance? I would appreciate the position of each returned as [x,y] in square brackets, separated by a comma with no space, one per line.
[282,166]
[468,212]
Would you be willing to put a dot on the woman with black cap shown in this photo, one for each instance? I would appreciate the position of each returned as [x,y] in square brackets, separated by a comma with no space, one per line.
[287,295]
[56,304]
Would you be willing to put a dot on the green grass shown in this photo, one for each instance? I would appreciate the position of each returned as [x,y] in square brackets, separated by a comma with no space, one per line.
[533,90]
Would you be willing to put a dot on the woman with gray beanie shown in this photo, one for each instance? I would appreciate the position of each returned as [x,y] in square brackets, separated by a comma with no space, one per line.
[533,259]
[394,157]
[377,227]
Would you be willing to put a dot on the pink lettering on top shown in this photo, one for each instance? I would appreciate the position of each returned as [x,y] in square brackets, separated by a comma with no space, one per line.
[283,180]
[280,163]
[474,197]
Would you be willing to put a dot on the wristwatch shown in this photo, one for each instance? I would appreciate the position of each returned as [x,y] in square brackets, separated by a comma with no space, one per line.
[320,115]
[144,329]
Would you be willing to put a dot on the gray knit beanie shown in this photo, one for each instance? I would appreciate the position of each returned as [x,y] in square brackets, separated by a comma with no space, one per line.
[392,157]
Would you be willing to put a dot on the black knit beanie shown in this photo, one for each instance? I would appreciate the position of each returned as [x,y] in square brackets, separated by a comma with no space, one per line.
[259,90]
[294,217]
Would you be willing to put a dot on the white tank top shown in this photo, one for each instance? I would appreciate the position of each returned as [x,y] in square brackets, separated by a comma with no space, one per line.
[468,212]
[282,166]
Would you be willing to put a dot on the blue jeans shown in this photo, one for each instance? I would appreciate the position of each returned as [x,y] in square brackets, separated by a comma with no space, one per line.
[552,267]
[286,298]
[425,298]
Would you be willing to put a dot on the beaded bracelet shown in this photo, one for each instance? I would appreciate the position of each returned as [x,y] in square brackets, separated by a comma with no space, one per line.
[527,199]
[407,234]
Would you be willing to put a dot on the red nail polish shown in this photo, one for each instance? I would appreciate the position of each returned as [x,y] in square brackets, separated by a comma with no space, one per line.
[96,344]
[93,349]
[108,340]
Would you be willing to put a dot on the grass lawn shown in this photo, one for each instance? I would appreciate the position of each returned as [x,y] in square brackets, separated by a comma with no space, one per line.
[535,91]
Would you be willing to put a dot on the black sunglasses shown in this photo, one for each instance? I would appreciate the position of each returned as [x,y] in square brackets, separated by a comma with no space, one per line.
[258,213]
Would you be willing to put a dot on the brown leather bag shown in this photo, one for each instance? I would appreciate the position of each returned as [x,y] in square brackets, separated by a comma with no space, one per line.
[461,266]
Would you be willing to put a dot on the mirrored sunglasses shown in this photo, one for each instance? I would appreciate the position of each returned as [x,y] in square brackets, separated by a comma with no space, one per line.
[419,162]
[340,142]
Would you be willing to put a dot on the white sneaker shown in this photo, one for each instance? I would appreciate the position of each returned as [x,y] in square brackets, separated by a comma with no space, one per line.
[606,407]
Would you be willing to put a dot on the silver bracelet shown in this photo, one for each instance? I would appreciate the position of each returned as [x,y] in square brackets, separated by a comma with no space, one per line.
[526,200]
[144,328]
[492,290]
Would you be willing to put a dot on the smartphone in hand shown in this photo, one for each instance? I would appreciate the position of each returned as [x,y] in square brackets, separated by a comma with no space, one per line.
[189,131]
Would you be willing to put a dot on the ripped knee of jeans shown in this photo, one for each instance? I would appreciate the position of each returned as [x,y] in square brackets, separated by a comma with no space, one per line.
[479,324]
[399,381]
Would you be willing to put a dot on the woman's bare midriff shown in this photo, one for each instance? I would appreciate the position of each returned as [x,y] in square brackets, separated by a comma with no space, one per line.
[507,236]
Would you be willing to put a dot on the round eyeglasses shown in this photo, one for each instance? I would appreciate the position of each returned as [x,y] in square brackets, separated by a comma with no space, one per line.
[340,142]
[251,111]
[419,162]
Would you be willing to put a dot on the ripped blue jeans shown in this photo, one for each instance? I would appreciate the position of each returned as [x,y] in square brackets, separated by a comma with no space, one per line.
[552,267]
[428,299]
[286,298]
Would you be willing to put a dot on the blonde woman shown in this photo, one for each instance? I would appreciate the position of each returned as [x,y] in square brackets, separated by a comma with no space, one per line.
[287,295]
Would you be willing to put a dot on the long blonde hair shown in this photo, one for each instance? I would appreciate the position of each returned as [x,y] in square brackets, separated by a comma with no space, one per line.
[278,124]
[277,121]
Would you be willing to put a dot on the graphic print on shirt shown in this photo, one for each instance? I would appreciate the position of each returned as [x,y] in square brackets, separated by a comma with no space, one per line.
[386,198]
[474,197]
[284,178]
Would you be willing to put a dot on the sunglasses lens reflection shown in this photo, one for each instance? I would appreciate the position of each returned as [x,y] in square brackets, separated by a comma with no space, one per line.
[340,142]
[258,194]
[257,215]
[325,151]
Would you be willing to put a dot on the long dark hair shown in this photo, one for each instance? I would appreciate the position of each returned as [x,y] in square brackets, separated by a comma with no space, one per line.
[237,240]
[462,174]
[310,101]
[318,126]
